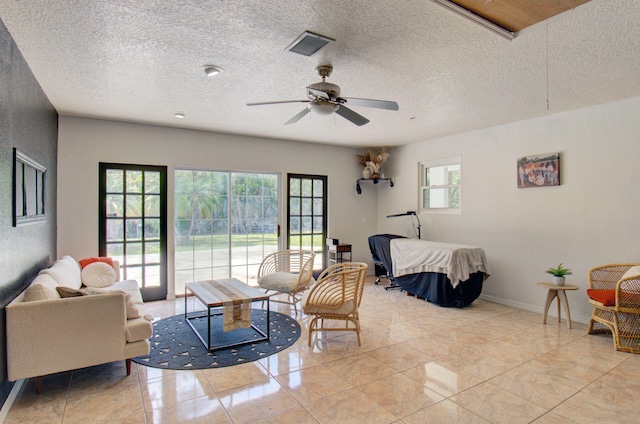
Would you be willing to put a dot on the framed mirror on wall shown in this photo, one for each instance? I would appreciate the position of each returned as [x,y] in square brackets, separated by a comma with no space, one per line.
[28,189]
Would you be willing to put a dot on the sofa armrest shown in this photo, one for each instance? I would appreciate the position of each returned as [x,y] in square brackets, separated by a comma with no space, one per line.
[45,337]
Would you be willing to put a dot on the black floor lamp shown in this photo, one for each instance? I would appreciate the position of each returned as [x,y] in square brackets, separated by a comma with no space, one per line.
[409,213]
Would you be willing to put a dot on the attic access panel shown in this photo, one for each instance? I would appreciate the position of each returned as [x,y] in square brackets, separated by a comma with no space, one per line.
[515,15]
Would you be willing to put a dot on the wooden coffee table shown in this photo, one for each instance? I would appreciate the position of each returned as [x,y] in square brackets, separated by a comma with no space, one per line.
[215,294]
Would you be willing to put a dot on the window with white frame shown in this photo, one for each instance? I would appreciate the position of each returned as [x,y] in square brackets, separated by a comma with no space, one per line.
[440,183]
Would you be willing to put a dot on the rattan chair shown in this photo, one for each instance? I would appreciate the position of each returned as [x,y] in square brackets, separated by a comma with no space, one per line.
[287,272]
[336,296]
[614,292]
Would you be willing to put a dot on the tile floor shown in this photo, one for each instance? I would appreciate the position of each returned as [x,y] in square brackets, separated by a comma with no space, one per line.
[418,363]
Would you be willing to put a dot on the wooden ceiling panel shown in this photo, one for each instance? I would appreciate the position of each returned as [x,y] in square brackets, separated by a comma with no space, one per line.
[515,15]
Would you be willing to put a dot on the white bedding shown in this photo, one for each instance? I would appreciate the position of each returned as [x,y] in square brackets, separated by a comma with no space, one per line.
[457,261]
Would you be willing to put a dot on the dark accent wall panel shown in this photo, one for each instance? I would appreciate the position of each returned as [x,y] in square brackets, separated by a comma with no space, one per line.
[28,122]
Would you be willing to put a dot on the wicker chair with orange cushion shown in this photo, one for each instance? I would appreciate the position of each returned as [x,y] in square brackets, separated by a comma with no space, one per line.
[287,272]
[336,296]
[614,292]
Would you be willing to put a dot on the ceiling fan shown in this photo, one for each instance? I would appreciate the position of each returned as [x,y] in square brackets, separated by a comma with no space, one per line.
[324,98]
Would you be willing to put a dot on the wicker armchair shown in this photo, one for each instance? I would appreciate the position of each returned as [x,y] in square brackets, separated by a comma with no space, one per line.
[614,292]
[336,296]
[287,272]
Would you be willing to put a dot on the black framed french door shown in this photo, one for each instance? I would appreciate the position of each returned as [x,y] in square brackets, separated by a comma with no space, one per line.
[307,215]
[133,223]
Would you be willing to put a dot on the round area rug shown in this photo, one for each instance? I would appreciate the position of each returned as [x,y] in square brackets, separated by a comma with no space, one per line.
[175,346]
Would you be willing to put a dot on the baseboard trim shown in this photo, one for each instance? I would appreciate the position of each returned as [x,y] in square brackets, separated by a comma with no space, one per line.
[532,308]
[13,395]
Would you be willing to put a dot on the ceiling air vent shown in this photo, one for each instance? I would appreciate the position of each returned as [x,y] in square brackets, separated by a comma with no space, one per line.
[308,43]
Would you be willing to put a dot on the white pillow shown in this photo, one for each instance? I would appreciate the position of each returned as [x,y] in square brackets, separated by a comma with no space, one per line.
[64,272]
[98,274]
[39,292]
[634,270]
[46,280]
[73,267]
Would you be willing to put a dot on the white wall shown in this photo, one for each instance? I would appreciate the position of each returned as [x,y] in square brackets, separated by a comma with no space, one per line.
[83,143]
[590,219]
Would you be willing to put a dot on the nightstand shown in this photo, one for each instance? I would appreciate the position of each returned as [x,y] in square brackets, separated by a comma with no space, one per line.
[338,253]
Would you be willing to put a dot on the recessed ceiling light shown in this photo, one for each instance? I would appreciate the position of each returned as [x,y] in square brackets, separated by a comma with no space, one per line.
[179,115]
[212,70]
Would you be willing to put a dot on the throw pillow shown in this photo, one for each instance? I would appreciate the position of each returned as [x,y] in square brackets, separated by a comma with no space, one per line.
[39,292]
[606,297]
[132,310]
[68,292]
[63,274]
[98,274]
[87,261]
[634,270]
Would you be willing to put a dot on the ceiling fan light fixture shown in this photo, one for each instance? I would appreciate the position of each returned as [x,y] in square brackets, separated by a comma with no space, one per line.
[309,43]
[212,70]
[323,109]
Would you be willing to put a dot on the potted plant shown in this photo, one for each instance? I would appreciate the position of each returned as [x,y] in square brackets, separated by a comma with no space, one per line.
[372,163]
[558,274]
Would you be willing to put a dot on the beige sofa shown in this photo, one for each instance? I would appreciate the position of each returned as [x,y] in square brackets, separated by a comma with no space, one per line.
[47,333]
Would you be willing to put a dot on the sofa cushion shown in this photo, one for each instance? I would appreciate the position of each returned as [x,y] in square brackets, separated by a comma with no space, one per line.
[138,329]
[65,271]
[98,274]
[132,309]
[344,309]
[45,280]
[72,266]
[37,292]
[279,281]
[131,287]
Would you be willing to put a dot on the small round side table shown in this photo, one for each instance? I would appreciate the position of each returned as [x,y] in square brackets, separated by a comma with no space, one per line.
[560,293]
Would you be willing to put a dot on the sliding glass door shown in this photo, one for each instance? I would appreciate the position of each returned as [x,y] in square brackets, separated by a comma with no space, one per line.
[225,223]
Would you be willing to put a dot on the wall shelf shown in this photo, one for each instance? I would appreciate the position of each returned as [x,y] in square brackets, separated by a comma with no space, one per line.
[374,180]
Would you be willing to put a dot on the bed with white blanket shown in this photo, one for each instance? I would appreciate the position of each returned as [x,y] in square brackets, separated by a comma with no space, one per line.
[444,273]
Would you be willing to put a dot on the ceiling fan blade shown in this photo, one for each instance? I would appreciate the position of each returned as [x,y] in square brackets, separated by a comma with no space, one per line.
[278,102]
[350,115]
[299,116]
[319,93]
[380,104]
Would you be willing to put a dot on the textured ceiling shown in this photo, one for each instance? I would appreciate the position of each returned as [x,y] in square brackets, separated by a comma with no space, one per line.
[141,61]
